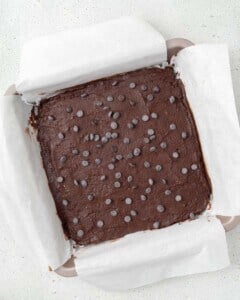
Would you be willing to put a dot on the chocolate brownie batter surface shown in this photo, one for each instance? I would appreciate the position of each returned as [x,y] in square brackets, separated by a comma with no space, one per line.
[122,155]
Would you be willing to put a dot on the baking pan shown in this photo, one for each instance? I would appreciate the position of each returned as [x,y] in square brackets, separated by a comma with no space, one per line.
[228,222]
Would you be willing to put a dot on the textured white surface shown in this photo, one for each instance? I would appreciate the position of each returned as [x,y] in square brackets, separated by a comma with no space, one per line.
[199,21]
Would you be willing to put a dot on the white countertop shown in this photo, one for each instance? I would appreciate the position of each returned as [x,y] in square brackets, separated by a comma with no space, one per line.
[199,21]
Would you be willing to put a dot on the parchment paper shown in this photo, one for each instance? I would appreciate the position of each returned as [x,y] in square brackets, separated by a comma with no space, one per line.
[72,57]
[145,257]
[25,196]
[205,72]
[188,248]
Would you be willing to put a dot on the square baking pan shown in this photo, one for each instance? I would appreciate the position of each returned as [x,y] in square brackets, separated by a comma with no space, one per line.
[229,223]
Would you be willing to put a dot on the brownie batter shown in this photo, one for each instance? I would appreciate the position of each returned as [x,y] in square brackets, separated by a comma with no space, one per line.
[122,155]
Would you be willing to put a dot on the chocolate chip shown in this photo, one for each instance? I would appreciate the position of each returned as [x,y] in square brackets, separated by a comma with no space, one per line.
[129,155]
[60,179]
[80,113]
[147,164]
[110,114]
[61,135]
[136,151]
[167,192]
[150,97]
[172,126]
[126,140]
[118,175]
[98,103]
[109,98]
[98,161]
[172,99]
[150,131]
[184,171]
[152,149]
[135,121]
[130,179]
[132,165]
[75,128]
[130,125]
[75,220]
[75,151]
[192,216]
[117,184]
[108,201]
[104,139]
[156,225]
[146,140]
[80,233]
[111,166]
[116,115]
[114,135]
[184,135]
[114,83]
[103,177]
[65,202]
[113,213]
[148,190]
[143,197]
[63,158]
[150,181]
[86,138]
[85,163]
[152,137]
[90,197]
[69,109]
[121,98]
[194,167]
[158,168]
[84,183]
[133,213]
[100,223]
[51,118]
[108,135]
[154,115]
[84,95]
[160,208]
[119,157]
[76,182]
[143,87]
[132,85]
[156,89]
[175,154]
[128,200]
[178,198]
[132,103]
[86,153]
[164,181]
[114,125]
[163,145]
[96,137]
[127,219]
[145,118]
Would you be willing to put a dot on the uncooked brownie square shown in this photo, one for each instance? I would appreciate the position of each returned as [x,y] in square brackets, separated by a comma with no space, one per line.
[122,155]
